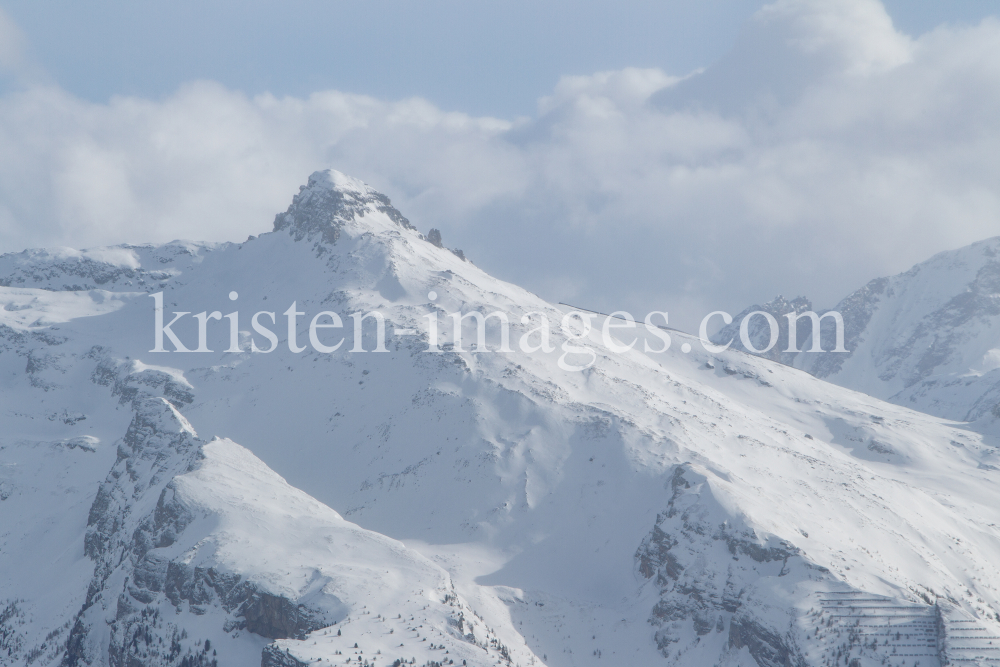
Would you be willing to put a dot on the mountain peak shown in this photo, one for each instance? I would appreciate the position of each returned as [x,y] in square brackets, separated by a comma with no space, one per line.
[331,179]
[328,201]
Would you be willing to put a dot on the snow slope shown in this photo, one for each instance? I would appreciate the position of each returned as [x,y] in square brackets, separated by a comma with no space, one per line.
[471,505]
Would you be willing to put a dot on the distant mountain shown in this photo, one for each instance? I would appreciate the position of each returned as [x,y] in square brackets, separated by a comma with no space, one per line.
[759,329]
[928,338]
[435,504]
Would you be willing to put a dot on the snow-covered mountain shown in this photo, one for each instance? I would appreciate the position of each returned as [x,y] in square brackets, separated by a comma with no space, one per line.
[442,504]
[928,338]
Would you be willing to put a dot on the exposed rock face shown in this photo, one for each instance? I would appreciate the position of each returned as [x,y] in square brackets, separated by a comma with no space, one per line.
[159,444]
[128,380]
[276,617]
[105,268]
[329,200]
[273,656]
[768,648]
[129,536]
[712,572]
[759,330]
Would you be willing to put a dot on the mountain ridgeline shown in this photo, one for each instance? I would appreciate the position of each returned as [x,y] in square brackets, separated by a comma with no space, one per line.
[431,503]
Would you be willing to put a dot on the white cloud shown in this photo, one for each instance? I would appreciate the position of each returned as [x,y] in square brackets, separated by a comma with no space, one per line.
[825,150]
[855,38]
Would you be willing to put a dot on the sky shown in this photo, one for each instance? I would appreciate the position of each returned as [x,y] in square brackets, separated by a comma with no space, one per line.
[676,155]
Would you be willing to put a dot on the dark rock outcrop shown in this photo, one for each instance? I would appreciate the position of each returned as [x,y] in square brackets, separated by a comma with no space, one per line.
[768,648]
[129,537]
[272,656]
[322,207]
